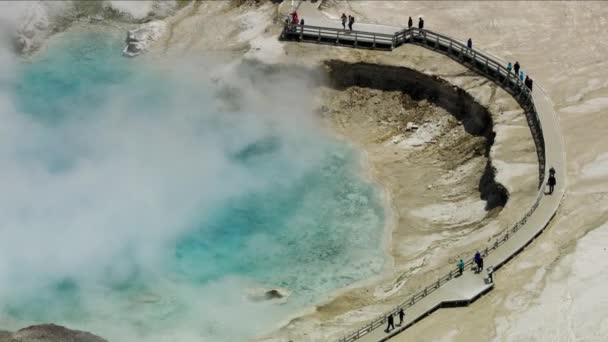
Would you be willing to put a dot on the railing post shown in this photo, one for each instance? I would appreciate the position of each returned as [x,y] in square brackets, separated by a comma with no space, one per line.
[450,48]
[374,43]
[319,35]
[338,38]
[301,31]
[356,38]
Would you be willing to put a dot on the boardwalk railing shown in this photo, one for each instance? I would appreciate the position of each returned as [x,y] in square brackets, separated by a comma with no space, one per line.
[474,59]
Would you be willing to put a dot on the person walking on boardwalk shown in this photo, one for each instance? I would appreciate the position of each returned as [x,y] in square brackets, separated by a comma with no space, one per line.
[391,322]
[530,85]
[516,68]
[551,182]
[343,17]
[470,43]
[410,23]
[490,274]
[509,67]
[527,81]
[477,260]
[460,266]
[401,315]
[521,75]
[480,264]
[420,23]
[351,21]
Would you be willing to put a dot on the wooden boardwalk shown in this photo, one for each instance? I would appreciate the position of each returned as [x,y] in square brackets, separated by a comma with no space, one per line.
[450,290]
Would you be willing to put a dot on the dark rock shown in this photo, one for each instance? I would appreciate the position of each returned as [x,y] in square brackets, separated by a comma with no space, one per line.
[49,333]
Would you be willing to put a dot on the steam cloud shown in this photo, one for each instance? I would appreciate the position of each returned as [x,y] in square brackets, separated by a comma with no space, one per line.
[102,192]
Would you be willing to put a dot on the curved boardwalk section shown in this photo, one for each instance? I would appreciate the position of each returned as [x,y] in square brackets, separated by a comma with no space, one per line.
[450,290]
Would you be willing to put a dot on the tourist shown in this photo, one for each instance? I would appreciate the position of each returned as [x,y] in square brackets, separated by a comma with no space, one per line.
[420,23]
[460,266]
[480,264]
[410,23]
[516,68]
[521,75]
[527,82]
[302,21]
[509,67]
[551,183]
[343,21]
[391,322]
[470,43]
[531,81]
[401,315]
[351,21]
[552,171]
[294,18]
[490,274]
[477,260]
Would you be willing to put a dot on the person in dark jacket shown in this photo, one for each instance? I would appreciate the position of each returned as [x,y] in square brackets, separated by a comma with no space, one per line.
[351,21]
[480,264]
[516,68]
[551,183]
[401,315]
[420,23]
[470,43]
[527,82]
[477,260]
[410,23]
[391,323]
[343,17]
[531,81]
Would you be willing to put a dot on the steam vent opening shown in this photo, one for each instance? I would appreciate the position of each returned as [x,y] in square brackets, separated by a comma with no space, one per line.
[424,100]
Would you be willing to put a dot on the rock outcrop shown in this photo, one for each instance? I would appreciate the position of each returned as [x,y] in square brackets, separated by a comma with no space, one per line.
[48,333]
[139,39]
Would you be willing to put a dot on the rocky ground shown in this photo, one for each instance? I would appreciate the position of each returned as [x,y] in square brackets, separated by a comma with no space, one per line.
[48,333]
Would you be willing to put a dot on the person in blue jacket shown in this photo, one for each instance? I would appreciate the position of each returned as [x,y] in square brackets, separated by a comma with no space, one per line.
[460,266]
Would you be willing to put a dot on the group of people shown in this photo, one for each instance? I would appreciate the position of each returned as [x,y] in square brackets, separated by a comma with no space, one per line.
[391,321]
[518,73]
[478,260]
[410,23]
[347,20]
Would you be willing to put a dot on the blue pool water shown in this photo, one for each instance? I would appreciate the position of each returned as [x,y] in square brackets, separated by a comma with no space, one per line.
[141,211]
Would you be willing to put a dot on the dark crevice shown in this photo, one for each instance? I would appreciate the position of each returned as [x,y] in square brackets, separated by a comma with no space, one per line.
[474,117]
